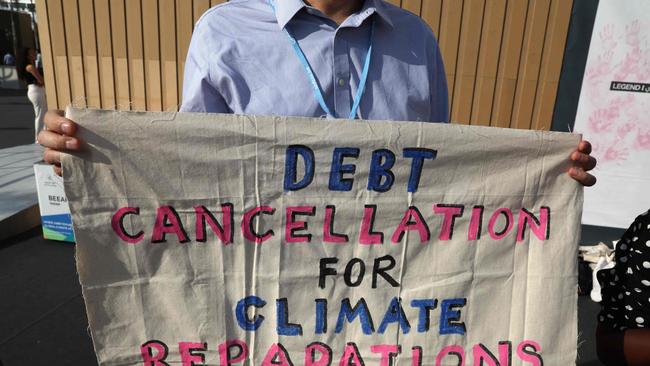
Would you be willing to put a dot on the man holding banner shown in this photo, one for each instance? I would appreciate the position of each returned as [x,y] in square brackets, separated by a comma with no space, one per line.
[234,66]
[278,239]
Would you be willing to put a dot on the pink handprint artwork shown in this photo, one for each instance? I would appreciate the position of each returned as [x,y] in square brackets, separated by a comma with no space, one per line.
[614,112]
[615,152]
[643,138]
[617,122]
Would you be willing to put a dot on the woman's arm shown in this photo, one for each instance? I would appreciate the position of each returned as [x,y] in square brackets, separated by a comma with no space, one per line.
[623,334]
[636,346]
[630,347]
[609,346]
[34,71]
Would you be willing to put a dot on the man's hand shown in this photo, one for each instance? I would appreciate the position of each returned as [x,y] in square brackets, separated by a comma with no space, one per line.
[582,163]
[58,137]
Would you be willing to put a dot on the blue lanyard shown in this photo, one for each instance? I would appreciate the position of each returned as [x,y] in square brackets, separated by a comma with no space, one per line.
[312,77]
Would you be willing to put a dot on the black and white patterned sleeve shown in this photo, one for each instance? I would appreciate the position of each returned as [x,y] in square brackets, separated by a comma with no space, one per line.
[626,287]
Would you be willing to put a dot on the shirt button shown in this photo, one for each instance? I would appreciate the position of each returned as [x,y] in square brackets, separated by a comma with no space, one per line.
[341,82]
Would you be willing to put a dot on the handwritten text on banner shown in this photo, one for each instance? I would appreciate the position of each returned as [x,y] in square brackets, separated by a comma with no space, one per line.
[232,240]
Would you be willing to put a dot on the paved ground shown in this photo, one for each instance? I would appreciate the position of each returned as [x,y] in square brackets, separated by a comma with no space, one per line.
[17,183]
[42,321]
[42,316]
[18,153]
[16,118]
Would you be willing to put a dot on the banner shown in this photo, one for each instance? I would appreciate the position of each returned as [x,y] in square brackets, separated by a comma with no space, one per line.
[208,239]
[614,113]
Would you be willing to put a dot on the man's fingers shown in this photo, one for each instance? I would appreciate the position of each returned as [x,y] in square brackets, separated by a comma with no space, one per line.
[52,157]
[579,157]
[55,122]
[587,162]
[55,141]
[582,177]
[57,170]
[590,164]
[584,147]
[58,136]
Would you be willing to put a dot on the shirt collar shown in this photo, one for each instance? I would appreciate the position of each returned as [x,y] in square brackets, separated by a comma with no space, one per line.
[285,10]
[380,8]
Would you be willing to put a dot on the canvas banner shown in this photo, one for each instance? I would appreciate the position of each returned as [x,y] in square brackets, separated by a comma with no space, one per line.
[614,113]
[207,239]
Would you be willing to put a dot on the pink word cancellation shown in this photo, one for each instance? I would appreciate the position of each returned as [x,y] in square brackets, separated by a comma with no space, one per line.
[259,224]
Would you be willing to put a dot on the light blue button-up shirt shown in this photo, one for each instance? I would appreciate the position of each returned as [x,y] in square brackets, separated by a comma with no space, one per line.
[240,61]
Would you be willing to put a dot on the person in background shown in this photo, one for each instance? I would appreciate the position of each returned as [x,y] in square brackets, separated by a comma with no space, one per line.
[623,333]
[39,60]
[9,59]
[32,75]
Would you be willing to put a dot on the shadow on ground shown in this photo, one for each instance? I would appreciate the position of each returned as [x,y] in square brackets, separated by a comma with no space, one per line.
[16,119]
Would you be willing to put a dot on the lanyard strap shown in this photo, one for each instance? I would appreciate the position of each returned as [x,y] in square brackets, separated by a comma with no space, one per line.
[312,77]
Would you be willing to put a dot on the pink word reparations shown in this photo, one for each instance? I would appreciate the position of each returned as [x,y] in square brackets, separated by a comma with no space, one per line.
[500,223]
[236,352]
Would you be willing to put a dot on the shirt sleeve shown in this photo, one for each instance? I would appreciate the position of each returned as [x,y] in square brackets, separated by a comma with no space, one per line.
[438,83]
[199,94]
[626,287]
